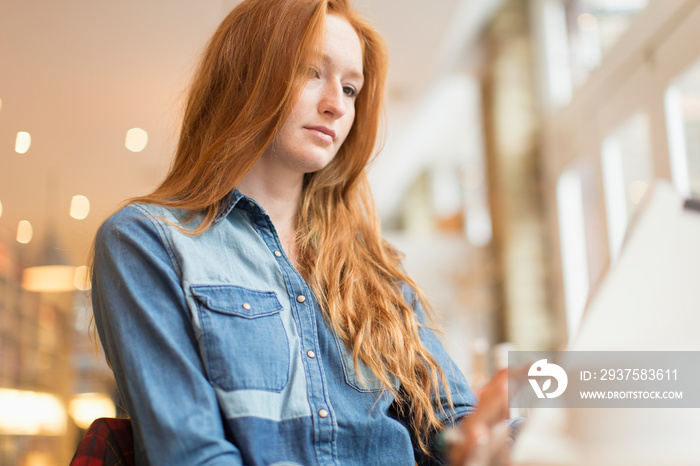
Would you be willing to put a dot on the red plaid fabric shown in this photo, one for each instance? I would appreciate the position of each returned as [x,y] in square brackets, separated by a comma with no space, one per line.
[108,442]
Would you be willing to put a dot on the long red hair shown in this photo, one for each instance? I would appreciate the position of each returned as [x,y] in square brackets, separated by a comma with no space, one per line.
[244,89]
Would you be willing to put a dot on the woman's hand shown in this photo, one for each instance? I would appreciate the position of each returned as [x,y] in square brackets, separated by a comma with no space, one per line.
[483,437]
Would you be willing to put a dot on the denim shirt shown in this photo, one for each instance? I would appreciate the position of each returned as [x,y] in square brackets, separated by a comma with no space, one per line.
[222,355]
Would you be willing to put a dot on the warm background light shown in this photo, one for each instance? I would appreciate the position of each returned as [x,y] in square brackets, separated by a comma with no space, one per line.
[24,232]
[136,139]
[31,413]
[0,209]
[81,280]
[49,278]
[587,22]
[79,207]
[23,141]
[86,407]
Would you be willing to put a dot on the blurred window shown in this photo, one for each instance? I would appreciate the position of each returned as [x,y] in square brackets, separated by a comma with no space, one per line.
[627,172]
[557,74]
[594,27]
[572,234]
[683,121]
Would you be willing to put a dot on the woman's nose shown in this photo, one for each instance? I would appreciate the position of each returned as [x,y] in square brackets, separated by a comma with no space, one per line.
[333,100]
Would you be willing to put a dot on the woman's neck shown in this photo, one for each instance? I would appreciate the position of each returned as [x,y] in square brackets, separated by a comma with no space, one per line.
[278,194]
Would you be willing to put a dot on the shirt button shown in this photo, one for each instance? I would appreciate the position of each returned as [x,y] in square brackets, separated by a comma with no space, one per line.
[301,298]
[246,306]
[323,413]
[278,254]
[311,354]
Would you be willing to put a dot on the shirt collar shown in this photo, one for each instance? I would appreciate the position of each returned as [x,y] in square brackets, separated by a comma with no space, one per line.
[226,207]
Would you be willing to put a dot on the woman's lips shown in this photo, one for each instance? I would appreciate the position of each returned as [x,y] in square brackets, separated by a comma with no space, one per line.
[322,132]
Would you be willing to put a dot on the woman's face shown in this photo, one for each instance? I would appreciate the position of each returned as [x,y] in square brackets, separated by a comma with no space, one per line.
[324,113]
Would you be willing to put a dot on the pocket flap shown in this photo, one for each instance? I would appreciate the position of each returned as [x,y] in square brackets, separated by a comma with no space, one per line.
[238,301]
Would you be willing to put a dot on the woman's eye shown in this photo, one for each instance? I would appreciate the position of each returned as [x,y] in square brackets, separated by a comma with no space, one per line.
[349,91]
[314,73]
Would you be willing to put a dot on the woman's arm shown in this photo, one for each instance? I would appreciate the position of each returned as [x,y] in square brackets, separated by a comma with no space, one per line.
[144,324]
[485,437]
[463,399]
[482,431]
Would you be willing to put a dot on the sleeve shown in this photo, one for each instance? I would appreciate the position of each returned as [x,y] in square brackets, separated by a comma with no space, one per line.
[143,322]
[463,399]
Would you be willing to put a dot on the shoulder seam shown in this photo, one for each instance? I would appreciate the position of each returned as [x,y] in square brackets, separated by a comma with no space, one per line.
[163,237]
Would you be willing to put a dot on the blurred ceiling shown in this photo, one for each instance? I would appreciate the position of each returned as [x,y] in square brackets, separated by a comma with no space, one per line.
[78,74]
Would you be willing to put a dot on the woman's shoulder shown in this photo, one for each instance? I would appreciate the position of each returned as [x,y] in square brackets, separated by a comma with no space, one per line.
[131,215]
[139,219]
[144,215]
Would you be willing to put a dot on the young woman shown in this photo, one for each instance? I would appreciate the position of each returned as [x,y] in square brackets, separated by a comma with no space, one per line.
[249,307]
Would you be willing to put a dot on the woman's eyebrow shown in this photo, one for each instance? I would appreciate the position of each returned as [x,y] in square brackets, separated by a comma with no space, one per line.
[353,73]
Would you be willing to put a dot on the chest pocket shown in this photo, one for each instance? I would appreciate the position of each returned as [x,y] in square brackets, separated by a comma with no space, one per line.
[244,342]
[369,381]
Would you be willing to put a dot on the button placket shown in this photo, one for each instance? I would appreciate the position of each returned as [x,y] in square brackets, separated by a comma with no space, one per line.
[305,314]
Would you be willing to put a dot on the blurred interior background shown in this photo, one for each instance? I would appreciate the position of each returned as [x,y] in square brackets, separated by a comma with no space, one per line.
[521,136]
